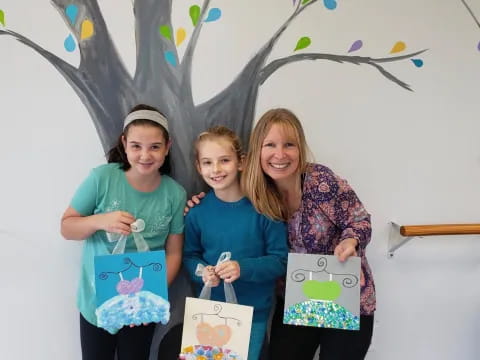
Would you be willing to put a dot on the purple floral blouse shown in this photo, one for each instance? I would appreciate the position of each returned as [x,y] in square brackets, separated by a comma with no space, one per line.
[329,212]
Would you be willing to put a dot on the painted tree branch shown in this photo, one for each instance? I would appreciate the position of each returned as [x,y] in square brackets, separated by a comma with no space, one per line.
[471,13]
[154,79]
[253,68]
[357,60]
[187,60]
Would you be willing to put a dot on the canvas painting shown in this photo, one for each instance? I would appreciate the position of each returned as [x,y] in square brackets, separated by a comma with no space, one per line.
[322,292]
[214,330]
[131,288]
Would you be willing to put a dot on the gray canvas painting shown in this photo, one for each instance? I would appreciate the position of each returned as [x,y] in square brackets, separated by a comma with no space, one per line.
[322,292]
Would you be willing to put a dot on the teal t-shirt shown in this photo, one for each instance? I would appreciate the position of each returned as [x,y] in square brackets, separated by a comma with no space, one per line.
[106,189]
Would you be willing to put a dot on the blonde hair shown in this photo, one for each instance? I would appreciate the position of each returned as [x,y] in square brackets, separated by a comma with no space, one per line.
[259,187]
[220,132]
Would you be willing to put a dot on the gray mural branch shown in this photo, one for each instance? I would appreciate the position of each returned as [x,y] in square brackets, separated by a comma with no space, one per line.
[108,90]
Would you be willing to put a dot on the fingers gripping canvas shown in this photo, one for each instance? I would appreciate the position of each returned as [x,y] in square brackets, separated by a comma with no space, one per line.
[322,292]
[215,330]
[131,288]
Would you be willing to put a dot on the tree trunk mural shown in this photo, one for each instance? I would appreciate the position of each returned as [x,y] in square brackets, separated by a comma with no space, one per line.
[162,79]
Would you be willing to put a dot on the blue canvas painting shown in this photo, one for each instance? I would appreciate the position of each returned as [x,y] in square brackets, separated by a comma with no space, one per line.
[131,289]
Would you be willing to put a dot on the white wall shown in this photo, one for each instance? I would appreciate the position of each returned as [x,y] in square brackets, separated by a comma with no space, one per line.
[413,157]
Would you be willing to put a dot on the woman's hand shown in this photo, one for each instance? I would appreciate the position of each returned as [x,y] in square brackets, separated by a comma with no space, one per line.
[209,276]
[194,201]
[345,249]
[116,222]
[228,271]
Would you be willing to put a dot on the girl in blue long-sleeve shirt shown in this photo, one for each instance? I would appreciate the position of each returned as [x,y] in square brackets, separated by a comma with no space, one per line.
[226,221]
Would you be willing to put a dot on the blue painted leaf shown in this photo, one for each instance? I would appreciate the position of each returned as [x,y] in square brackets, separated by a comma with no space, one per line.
[69,43]
[330,4]
[170,58]
[417,62]
[478,46]
[213,15]
[72,12]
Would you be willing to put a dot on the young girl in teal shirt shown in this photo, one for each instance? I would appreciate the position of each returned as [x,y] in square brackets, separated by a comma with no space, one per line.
[134,185]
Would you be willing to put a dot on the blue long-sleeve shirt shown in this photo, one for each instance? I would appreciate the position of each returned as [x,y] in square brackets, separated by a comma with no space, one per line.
[256,242]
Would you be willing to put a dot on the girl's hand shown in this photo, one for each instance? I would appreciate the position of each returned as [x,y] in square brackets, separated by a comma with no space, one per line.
[194,201]
[116,222]
[229,271]
[345,249]
[210,277]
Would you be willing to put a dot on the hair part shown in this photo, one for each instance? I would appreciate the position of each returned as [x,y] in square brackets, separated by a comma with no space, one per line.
[258,186]
[117,153]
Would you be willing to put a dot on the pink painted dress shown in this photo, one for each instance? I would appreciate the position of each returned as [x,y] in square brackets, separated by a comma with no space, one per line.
[329,212]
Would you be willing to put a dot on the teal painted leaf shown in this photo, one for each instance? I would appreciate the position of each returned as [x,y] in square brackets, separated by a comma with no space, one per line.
[194,14]
[303,43]
[165,31]
[171,58]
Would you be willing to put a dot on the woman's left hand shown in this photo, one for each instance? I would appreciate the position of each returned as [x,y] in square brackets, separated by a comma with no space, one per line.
[345,249]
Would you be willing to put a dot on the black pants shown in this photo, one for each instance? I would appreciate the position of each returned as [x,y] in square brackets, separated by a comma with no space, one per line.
[301,342]
[129,343]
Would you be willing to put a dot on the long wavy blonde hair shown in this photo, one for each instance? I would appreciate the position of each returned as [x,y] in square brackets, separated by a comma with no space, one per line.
[259,187]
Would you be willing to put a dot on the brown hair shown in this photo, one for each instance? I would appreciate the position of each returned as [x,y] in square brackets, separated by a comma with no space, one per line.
[220,132]
[117,153]
[259,187]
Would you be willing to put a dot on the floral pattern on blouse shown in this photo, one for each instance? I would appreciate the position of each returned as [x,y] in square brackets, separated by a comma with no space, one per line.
[329,212]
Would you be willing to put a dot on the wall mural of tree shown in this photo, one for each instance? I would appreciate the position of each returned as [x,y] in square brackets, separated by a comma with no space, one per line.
[163,79]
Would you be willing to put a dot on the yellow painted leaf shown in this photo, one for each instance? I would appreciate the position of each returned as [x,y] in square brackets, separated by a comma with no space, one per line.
[398,47]
[181,35]
[87,29]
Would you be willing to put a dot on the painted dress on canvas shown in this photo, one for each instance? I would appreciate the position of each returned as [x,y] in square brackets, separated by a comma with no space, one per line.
[322,292]
[131,289]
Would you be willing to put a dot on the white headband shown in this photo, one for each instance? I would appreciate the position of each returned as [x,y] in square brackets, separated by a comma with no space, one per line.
[151,115]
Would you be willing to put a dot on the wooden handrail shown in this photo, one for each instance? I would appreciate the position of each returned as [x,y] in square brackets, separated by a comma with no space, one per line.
[440,229]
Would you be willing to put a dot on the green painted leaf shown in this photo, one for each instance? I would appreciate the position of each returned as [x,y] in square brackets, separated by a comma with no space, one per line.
[2,17]
[194,14]
[303,43]
[305,1]
[321,290]
[165,31]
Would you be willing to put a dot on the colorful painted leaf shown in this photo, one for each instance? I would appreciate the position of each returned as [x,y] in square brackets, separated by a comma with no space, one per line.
[72,12]
[165,31]
[213,15]
[417,62]
[398,47]
[170,58]
[478,46]
[194,14]
[2,17]
[330,4]
[69,43]
[303,43]
[87,29]
[181,35]
[305,1]
[356,46]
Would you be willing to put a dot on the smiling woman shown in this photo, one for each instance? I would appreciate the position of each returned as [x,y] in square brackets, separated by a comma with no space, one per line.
[324,216]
